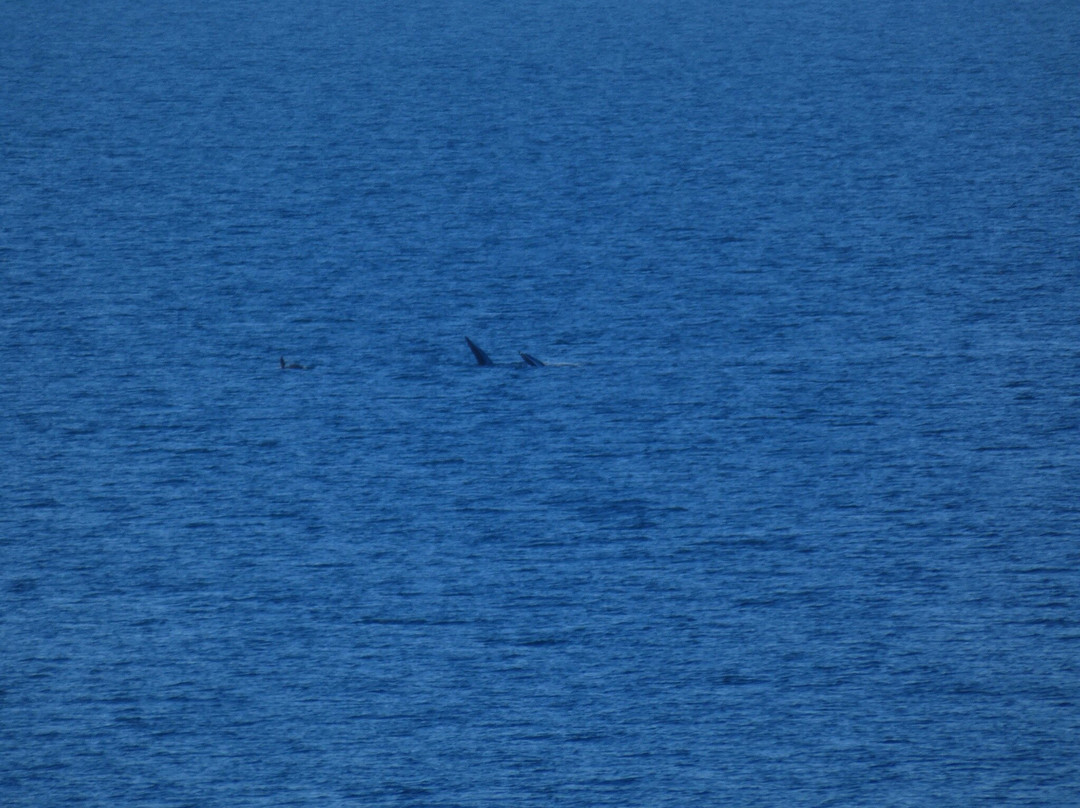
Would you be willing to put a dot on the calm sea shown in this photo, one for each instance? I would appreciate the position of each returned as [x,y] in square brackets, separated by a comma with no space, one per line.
[791,516]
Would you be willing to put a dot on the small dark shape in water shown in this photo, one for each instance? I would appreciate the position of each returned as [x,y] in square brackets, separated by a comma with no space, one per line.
[293,366]
[482,358]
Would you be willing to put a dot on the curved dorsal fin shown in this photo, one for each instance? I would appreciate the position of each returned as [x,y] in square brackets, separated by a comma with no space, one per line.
[481,357]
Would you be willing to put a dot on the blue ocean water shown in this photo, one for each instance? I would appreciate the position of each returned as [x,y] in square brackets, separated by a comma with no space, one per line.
[791,517]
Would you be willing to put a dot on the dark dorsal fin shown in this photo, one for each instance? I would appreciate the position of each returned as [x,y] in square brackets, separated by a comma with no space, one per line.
[531,361]
[481,357]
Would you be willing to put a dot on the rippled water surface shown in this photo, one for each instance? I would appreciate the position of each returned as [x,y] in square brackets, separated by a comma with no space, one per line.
[790,517]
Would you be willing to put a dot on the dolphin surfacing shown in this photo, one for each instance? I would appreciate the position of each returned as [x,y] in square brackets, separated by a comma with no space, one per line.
[482,358]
